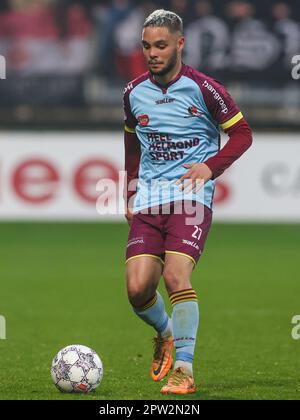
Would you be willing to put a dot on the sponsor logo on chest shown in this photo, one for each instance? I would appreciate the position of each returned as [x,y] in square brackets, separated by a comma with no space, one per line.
[165,101]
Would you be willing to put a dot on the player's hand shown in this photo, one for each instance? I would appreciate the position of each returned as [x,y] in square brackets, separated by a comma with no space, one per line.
[197,175]
[129,216]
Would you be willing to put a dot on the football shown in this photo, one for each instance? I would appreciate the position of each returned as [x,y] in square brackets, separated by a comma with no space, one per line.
[77,368]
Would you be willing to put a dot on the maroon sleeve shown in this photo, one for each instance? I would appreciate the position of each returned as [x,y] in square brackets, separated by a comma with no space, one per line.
[240,139]
[226,113]
[132,162]
[132,148]
[129,118]
[218,101]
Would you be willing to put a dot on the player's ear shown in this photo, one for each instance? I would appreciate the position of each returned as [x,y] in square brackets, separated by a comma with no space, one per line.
[181,42]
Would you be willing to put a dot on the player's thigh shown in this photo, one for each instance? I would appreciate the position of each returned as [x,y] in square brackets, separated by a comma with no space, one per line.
[142,276]
[177,272]
[145,237]
[187,232]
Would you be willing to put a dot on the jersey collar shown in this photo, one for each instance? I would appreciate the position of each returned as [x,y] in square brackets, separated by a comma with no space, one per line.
[166,87]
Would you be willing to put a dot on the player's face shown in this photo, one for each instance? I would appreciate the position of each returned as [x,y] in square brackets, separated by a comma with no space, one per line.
[162,49]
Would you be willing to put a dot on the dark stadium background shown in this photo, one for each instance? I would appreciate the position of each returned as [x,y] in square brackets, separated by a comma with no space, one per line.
[62,264]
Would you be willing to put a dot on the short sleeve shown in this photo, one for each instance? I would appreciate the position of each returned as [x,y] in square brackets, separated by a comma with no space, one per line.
[129,119]
[220,104]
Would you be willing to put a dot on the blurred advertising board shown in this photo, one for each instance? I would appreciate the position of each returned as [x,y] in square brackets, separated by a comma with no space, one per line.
[54,176]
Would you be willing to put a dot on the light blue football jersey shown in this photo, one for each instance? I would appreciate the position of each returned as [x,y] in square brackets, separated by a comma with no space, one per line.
[175,125]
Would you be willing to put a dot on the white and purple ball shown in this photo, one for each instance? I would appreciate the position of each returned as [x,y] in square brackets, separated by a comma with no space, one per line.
[77,368]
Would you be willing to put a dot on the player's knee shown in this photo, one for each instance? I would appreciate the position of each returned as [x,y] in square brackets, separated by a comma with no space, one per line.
[137,294]
[136,299]
[174,280]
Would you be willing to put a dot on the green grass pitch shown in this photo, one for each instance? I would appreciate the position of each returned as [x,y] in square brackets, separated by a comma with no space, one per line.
[63,284]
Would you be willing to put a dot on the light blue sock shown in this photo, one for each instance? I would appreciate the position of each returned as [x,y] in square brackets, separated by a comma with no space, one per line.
[185,321]
[154,314]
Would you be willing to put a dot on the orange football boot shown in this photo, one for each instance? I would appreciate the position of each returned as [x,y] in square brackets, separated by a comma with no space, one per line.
[179,383]
[162,359]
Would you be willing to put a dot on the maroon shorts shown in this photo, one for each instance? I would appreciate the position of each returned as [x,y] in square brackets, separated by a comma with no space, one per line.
[183,230]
